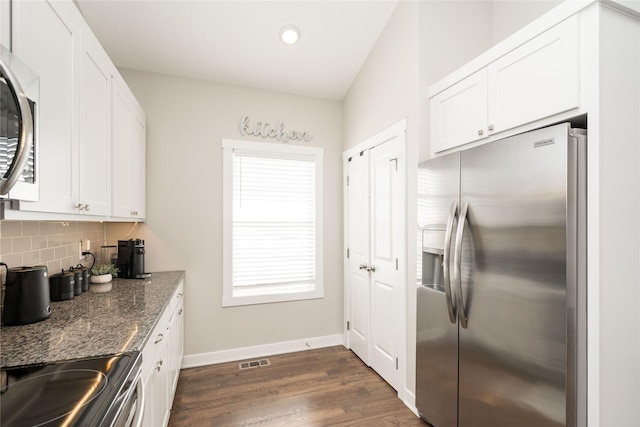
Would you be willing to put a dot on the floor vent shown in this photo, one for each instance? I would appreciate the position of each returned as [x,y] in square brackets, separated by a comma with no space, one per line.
[254,364]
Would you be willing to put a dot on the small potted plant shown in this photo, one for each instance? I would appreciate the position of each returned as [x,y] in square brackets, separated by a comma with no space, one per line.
[101,276]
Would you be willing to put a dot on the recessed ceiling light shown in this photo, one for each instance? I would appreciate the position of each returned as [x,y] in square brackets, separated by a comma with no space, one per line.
[289,34]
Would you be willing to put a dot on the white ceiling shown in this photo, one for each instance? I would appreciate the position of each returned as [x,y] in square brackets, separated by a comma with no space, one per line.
[237,41]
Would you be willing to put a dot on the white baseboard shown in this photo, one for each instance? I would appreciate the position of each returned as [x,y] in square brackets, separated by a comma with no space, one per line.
[409,400]
[234,355]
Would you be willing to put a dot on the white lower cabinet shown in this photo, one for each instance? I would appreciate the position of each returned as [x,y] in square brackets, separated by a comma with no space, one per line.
[176,346]
[161,361]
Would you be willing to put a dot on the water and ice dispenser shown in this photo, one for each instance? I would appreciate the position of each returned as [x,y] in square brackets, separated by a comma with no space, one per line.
[432,257]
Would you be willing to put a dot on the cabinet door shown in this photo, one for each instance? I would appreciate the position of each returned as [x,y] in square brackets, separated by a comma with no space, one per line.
[161,388]
[45,37]
[139,151]
[459,113]
[129,153]
[94,128]
[5,23]
[122,139]
[537,80]
[176,346]
[149,400]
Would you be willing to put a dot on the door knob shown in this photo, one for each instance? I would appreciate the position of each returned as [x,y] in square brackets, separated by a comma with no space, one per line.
[364,267]
[372,268]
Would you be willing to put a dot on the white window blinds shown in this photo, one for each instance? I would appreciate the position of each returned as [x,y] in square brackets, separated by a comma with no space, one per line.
[273,225]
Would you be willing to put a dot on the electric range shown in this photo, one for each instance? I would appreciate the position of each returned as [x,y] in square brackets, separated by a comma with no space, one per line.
[100,391]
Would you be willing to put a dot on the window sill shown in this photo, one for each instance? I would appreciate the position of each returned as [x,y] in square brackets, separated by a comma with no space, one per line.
[268,299]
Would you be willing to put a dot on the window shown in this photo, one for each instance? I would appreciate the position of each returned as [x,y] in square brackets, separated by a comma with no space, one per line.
[272,222]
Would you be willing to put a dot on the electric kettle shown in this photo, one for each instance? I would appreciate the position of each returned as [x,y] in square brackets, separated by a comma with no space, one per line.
[26,295]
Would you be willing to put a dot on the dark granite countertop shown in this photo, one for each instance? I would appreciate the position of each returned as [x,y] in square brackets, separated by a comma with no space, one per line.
[92,324]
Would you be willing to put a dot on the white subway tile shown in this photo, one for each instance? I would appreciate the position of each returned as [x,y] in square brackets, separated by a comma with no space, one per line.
[31,228]
[21,244]
[11,228]
[13,260]
[6,245]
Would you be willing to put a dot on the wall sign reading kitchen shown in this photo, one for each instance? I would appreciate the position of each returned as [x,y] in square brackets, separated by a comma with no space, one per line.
[267,130]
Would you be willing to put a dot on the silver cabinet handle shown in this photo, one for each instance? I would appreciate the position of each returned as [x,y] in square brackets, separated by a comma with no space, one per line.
[78,207]
[363,266]
[86,207]
[490,127]
[160,338]
[159,365]
[25,140]
[457,263]
[446,259]
[372,268]
[480,131]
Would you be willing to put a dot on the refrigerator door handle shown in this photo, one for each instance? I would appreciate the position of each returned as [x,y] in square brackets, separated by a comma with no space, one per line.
[457,262]
[446,260]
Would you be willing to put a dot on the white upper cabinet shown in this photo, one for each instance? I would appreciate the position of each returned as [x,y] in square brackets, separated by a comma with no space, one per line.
[139,163]
[537,79]
[459,113]
[122,144]
[91,129]
[5,23]
[129,154]
[46,36]
[94,145]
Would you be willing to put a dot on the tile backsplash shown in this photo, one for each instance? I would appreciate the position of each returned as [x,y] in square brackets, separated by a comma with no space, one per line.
[51,243]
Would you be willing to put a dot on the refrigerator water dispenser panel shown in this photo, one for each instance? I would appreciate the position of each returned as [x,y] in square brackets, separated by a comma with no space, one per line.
[432,258]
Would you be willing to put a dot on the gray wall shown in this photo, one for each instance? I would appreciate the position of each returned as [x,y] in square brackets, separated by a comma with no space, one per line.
[186,122]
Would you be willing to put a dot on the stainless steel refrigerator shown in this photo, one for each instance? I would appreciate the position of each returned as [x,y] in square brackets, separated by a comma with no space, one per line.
[501,333]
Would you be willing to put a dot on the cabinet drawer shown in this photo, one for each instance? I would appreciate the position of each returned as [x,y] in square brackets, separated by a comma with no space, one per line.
[155,343]
[177,297]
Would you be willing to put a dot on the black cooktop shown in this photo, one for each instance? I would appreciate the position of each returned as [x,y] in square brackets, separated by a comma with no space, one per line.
[79,392]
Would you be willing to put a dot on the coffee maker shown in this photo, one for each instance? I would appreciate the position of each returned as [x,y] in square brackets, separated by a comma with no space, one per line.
[131,259]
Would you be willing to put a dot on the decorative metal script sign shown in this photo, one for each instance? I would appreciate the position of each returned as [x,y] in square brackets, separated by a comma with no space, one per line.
[267,130]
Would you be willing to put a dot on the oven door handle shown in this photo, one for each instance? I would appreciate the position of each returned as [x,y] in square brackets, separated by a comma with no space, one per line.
[25,140]
[139,402]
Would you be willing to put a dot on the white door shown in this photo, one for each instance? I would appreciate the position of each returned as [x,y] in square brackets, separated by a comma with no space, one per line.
[376,233]
[387,242]
[358,244]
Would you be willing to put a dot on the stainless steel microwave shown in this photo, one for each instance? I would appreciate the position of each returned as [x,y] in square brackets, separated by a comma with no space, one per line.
[19,93]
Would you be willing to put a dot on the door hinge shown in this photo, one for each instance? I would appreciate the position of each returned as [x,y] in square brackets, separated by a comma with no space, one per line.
[396,263]
[347,252]
[348,325]
[395,159]
[347,180]
[396,363]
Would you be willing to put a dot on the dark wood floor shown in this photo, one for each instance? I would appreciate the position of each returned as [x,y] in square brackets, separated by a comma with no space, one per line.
[324,387]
